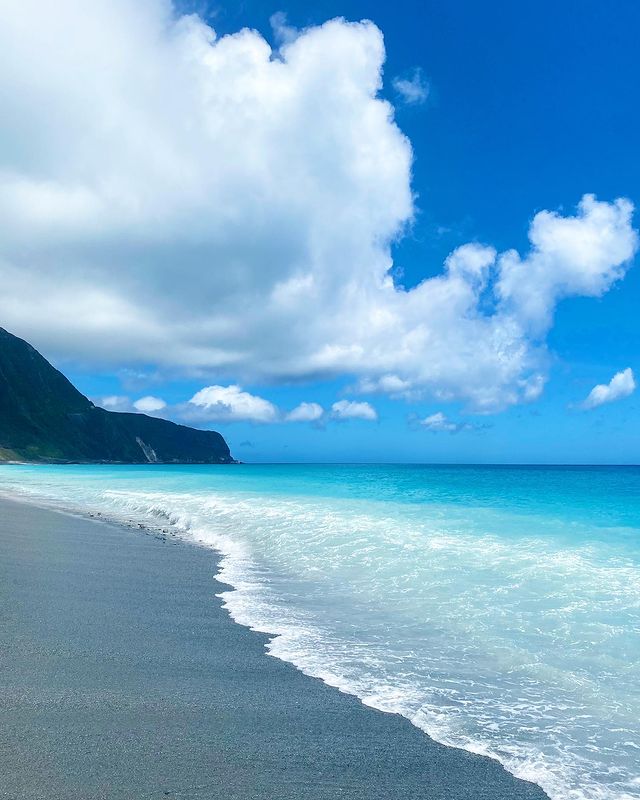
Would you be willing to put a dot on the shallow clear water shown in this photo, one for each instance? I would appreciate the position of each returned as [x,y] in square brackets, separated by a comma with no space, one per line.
[498,608]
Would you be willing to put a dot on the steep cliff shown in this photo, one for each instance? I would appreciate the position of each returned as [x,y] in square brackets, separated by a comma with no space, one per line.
[43,417]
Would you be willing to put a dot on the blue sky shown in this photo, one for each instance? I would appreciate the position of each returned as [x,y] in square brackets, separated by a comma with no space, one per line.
[528,107]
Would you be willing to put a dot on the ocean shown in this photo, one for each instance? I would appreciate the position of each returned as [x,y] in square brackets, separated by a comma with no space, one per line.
[497,608]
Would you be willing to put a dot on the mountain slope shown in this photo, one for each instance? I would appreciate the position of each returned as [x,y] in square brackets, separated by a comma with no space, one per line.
[43,417]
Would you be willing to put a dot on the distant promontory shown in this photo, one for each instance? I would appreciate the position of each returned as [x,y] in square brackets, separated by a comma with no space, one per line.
[44,418]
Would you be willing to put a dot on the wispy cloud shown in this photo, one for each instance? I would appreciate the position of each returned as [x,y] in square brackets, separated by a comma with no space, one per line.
[621,385]
[386,384]
[283,32]
[439,423]
[413,89]
[114,402]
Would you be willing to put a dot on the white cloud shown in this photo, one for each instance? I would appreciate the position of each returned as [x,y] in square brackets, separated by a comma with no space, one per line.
[192,202]
[413,90]
[347,409]
[385,384]
[439,423]
[621,385]
[282,31]
[230,403]
[114,402]
[149,404]
[306,412]
[581,255]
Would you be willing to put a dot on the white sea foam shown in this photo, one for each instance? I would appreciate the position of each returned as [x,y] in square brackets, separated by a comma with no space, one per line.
[519,647]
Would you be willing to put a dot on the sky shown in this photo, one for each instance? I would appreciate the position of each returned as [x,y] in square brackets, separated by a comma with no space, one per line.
[352,231]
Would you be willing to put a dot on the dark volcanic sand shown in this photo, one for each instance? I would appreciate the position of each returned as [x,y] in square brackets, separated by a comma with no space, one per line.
[122,677]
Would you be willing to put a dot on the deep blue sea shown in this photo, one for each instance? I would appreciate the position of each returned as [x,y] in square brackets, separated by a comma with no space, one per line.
[497,608]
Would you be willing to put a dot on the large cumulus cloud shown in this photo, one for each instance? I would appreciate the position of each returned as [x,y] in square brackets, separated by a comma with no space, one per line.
[206,204]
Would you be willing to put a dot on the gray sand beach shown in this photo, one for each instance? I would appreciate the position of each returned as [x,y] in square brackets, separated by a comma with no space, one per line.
[122,677]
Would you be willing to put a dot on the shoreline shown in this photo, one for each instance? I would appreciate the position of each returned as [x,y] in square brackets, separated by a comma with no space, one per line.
[233,723]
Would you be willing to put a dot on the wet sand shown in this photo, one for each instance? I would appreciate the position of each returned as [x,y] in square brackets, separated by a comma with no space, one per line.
[121,677]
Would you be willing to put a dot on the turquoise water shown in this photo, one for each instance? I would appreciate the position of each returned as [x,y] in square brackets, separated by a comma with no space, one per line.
[498,608]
